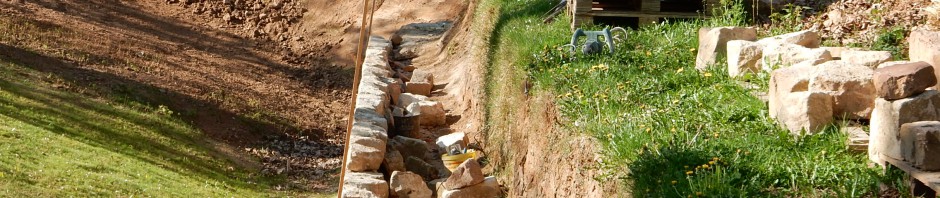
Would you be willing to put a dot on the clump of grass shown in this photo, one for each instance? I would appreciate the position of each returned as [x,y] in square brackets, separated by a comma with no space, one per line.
[669,130]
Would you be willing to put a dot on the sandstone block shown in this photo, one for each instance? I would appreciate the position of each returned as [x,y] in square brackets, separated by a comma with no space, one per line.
[408,185]
[888,116]
[925,46]
[805,113]
[420,88]
[713,43]
[488,189]
[920,144]
[892,63]
[432,113]
[790,54]
[364,154]
[805,38]
[903,80]
[364,185]
[743,57]
[869,59]
[850,86]
[787,80]
[467,174]
[409,98]
[422,76]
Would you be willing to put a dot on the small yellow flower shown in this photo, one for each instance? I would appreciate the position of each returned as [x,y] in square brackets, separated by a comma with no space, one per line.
[705,166]
[674,130]
[715,159]
[686,167]
[680,70]
[688,172]
[698,193]
[674,182]
[708,74]
[649,129]
[691,49]
[711,162]
[648,53]
[716,135]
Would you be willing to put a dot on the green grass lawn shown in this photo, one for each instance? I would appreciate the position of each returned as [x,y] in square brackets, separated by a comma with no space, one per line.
[56,143]
[667,129]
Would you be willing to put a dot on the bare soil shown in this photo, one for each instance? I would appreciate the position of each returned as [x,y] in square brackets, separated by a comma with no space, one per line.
[268,82]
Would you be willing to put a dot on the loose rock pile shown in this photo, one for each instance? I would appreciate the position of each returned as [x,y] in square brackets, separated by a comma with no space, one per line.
[388,155]
[811,86]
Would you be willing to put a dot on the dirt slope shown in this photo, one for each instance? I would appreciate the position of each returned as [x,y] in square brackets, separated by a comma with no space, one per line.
[268,80]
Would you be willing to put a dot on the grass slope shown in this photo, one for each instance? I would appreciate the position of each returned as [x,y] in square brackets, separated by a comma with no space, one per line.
[669,130]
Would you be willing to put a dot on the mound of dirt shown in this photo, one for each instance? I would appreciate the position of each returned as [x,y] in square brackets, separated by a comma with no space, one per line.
[853,21]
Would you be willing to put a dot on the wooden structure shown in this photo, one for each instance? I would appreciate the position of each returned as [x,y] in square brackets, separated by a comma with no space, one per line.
[923,183]
[646,11]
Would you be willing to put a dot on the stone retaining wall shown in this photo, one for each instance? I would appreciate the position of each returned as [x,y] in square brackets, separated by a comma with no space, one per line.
[369,137]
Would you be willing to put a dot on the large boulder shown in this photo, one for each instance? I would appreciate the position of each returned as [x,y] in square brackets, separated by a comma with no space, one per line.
[488,189]
[866,58]
[850,86]
[925,46]
[712,43]
[364,185]
[920,144]
[406,99]
[422,76]
[743,57]
[806,113]
[432,113]
[784,55]
[888,116]
[420,88]
[365,154]
[892,63]
[903,80]
[408,185]
[467,174]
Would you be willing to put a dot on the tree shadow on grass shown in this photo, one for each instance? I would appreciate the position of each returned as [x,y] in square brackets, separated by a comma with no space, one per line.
[149,138]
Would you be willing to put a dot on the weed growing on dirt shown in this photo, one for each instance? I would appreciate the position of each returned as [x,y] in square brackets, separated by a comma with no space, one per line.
[668,129]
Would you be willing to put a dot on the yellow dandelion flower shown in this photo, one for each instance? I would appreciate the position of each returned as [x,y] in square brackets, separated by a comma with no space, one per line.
[691,49]
[715,159]
[711,162]
[680,70]
[705,166]
[674,182]
[708,74]
[673,129]
[686,166]
[688,172]
[716,135]
[698,193]
[648,53]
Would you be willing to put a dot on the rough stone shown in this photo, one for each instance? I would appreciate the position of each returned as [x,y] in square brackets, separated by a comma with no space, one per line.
[408,185]
[409,147]
[869,59]
[925,46]
[836,52]
[395,90]
[893,63]
[791,54]
[393,160]
[806,113]
[920,144]
[850,86]
[903,80]
[467,174]
[422,76]
[888,116]
[713,43]
[420,167]
[369,115]
[488,189]
[432,113]
[787,80]
[365,129]
[420,88]
[805,38]
[406,99]
[364,185]
[365,154]
[743,57]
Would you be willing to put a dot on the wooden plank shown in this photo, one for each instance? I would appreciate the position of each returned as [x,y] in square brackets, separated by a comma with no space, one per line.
[930,179]
[645,14]
[857,138]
